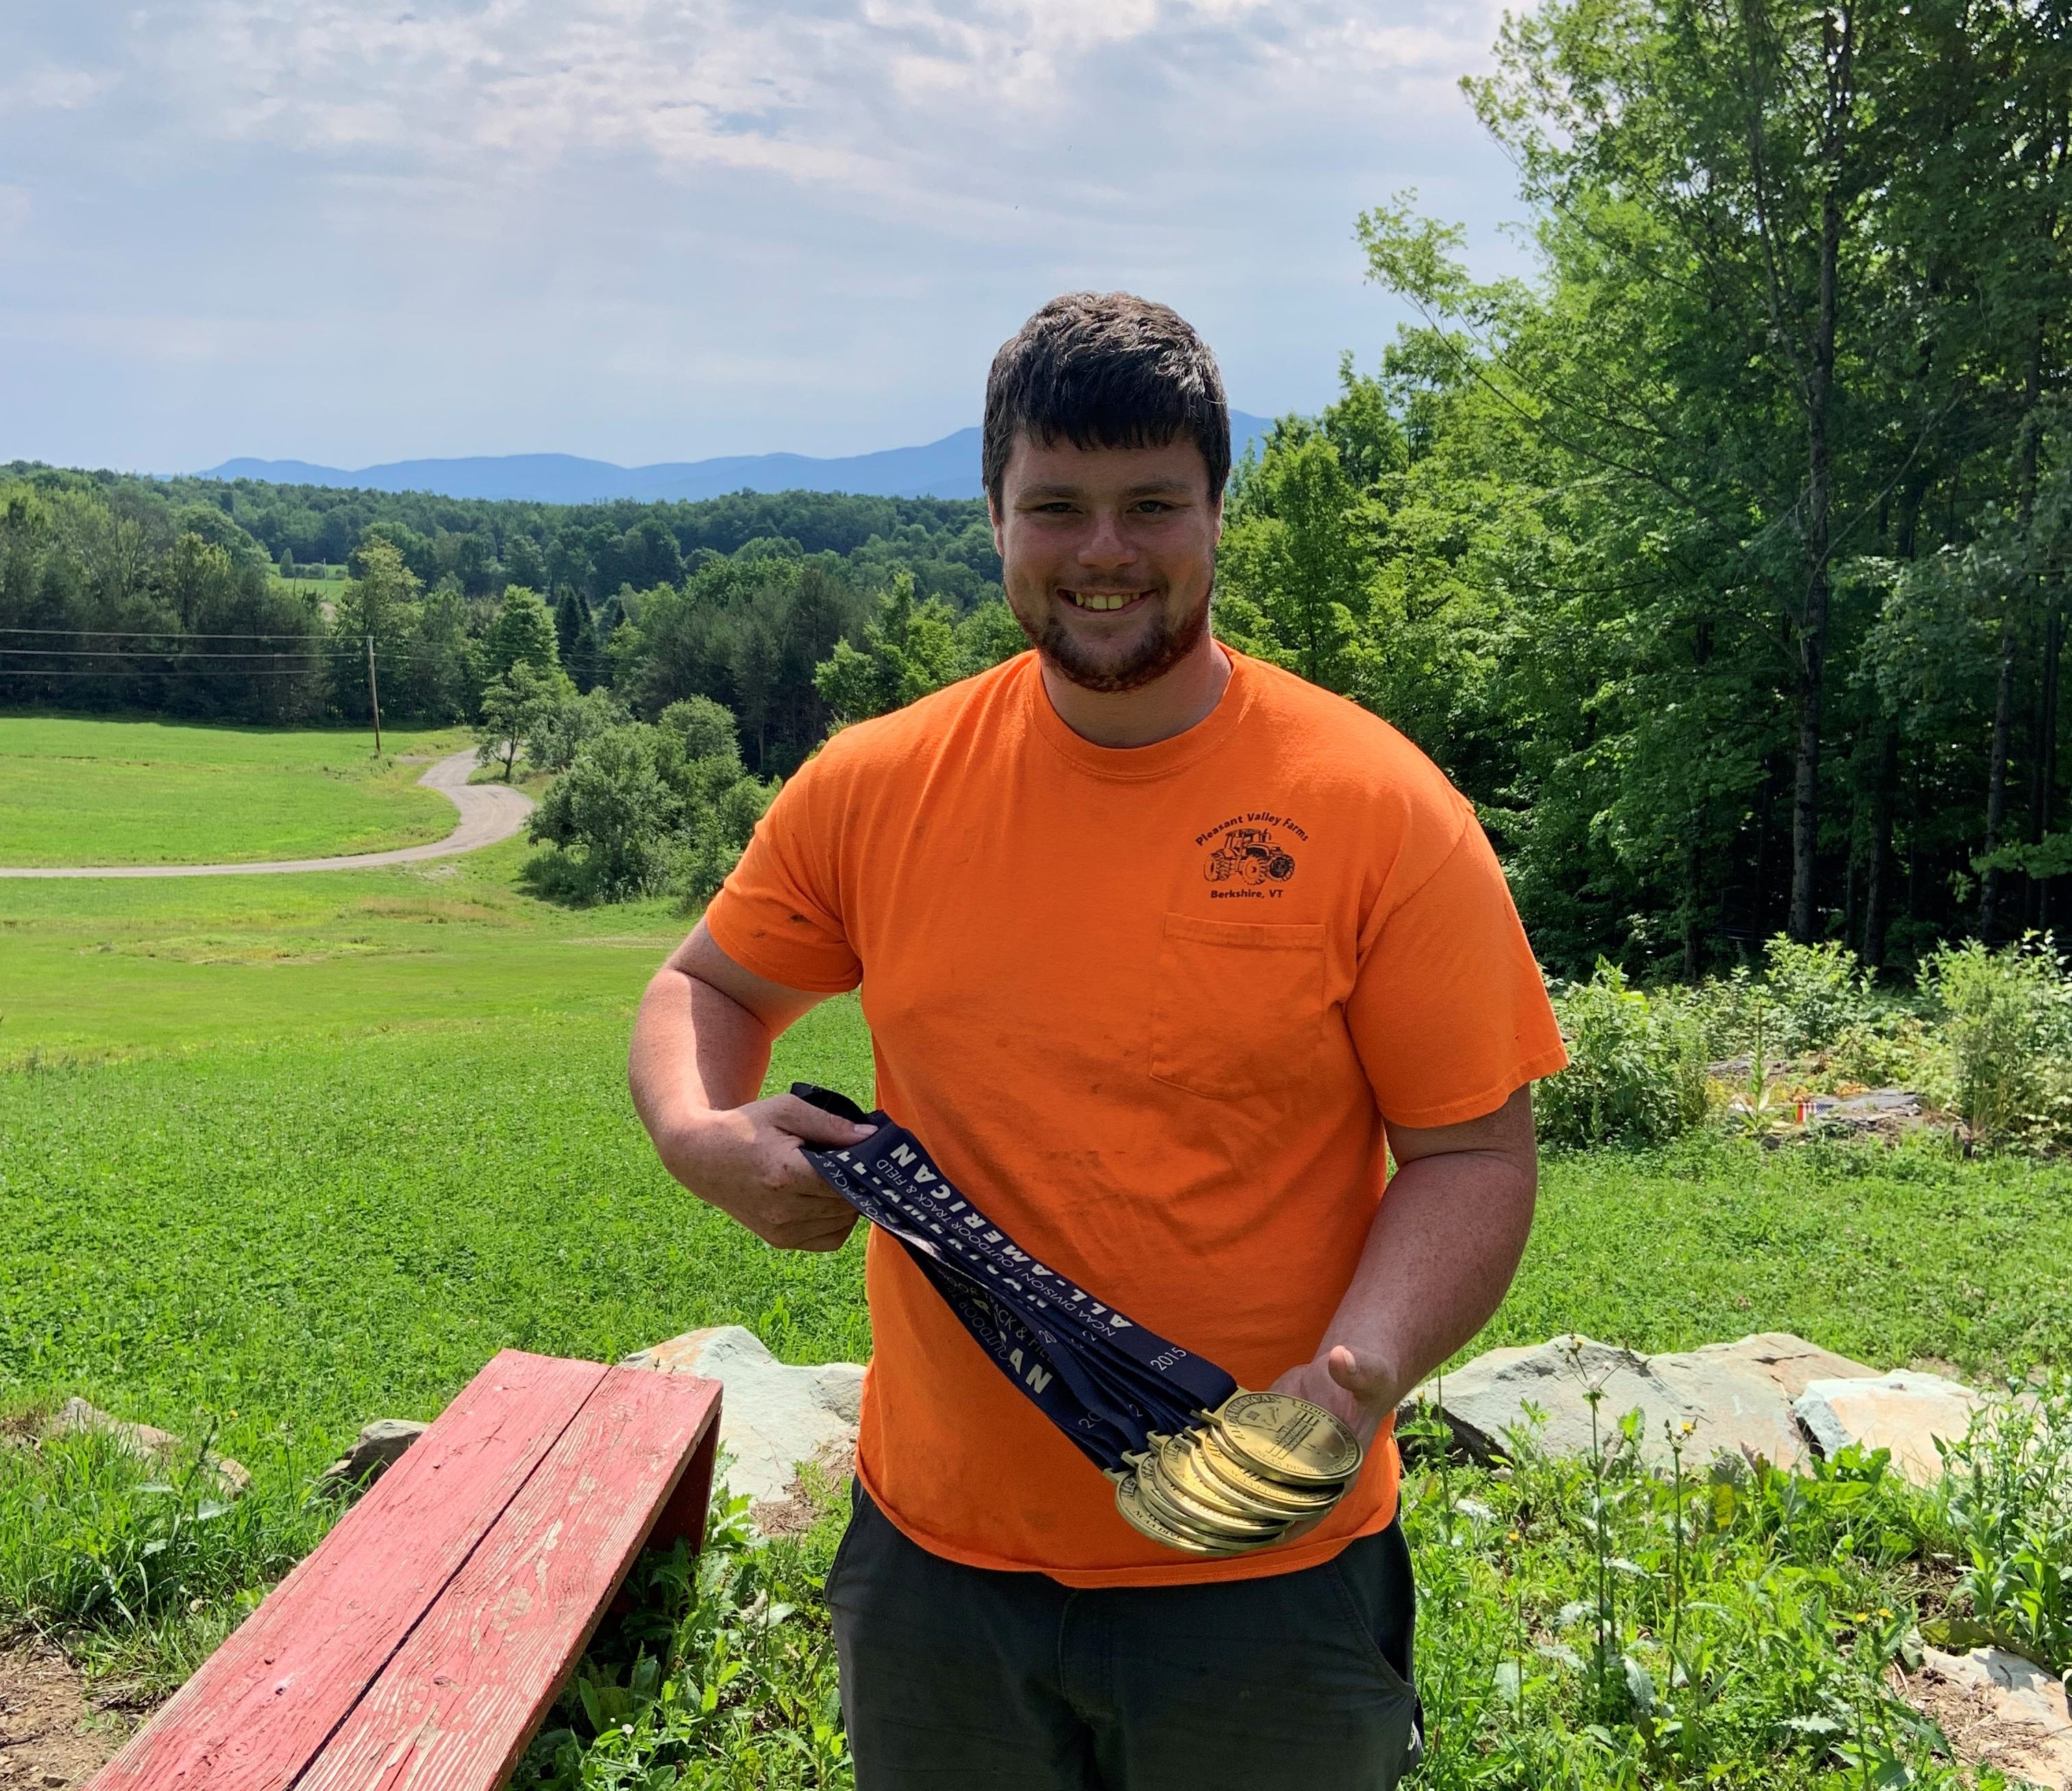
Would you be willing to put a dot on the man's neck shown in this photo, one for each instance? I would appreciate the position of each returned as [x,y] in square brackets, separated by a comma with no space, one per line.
[1184,696]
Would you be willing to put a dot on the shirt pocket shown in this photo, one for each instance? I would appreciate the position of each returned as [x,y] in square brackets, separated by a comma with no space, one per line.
[1237,1009]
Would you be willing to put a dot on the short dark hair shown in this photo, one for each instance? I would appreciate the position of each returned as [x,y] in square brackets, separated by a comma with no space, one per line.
[1105,370]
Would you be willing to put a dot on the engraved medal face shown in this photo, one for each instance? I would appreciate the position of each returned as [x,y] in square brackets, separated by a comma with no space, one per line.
[1175,1506]
[1245,1482]
[1289,1439]
[1181,1468]
[1141,1517]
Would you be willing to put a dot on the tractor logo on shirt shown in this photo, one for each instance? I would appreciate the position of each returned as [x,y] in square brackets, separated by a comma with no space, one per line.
[1249,855]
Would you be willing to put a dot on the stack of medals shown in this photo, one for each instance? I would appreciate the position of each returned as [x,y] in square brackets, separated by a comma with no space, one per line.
[1241,1477]
[1200,1464]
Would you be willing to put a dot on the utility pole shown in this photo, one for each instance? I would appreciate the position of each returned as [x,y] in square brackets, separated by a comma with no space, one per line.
[373,696]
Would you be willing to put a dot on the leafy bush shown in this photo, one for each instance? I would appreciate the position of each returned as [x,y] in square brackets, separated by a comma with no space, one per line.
[2007,1020]
[1636,1071]
[2007,1510]
[1819,992]
[612,811]
[646,810]
[1807,1000]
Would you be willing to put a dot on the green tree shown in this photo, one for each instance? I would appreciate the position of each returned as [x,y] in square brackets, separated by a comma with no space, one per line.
[516,705]
[909,649]
[613,814]
[522,629]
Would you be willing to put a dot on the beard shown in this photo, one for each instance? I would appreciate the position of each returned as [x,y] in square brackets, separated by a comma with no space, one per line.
[1155,653]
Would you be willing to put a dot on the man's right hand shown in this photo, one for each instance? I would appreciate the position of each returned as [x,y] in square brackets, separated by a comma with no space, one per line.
[745,1161]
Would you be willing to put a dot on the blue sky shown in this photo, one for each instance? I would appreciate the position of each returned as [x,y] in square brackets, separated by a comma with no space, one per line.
[348,232]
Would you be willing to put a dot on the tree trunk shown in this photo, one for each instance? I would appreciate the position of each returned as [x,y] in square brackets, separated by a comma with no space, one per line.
[1692,967]
[1879,865]
[1989,883]
[1813,623]
[2043,770]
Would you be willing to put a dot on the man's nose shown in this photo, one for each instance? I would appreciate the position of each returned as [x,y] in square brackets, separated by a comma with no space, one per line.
[1107,543]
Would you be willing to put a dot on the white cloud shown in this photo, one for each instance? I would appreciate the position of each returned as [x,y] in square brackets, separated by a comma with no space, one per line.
[655,228]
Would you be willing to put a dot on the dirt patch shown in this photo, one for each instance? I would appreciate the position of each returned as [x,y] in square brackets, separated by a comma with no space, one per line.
[817,1486]
[1983,1730]
[50,1732]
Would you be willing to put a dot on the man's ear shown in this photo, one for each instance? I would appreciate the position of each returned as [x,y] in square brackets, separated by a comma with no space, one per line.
[992,515]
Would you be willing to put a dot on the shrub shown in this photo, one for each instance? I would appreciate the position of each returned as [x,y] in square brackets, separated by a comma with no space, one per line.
[1807,1000]
[1819,992]
[646,810]
[2007,1019]
[613,811]
[2006,1505]
[1636,1071]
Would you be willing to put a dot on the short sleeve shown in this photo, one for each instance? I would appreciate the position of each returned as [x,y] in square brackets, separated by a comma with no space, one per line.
[1449,1011]
[779,912]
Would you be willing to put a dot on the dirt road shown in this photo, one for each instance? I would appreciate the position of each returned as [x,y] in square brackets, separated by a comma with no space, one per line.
[488,812]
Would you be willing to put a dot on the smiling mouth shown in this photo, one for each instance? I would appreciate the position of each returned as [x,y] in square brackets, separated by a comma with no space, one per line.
[1100,603]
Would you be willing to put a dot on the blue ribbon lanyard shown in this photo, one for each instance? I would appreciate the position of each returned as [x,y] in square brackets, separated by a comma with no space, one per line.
[1102,1378]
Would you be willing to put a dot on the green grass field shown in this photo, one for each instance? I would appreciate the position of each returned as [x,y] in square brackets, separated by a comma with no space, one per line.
[280,1155]
[82,791]
[324,1096]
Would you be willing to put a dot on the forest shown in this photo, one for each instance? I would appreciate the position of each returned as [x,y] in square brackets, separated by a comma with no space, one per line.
[1721,559]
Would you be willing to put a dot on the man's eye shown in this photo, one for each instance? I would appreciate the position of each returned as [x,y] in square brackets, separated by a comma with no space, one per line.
[1153,507]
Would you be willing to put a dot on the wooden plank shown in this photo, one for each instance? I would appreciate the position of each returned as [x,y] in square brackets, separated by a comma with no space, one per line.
[265,1702]
[457,1706]
[685,1514]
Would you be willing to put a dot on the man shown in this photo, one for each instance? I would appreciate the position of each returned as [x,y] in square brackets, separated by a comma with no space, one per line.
[1163,950]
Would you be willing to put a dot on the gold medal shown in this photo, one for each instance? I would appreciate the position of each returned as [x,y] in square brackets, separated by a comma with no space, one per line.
[1175,1506]
[1181,1467]
[1245,1482]
[1288,1439]
[1147,1521]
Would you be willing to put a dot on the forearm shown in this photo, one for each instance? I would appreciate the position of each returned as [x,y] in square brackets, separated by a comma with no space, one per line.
[695,1067]
[696,1050]
[1438,1260]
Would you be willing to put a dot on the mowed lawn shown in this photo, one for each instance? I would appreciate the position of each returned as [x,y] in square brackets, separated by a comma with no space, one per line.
[81,791]
[285,1154]
[101,968]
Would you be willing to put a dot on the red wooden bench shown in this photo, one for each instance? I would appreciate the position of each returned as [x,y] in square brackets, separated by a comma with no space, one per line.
[423,1641]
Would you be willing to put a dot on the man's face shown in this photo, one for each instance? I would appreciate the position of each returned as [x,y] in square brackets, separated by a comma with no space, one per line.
[1109,556]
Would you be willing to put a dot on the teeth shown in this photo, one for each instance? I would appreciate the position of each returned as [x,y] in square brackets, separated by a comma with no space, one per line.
[1096,600]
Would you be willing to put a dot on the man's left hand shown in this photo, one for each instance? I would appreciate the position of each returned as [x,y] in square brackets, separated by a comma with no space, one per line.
[1357,1388]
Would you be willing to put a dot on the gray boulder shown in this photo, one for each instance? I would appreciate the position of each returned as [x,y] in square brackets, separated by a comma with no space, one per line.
[155,1448]
[1904,1411]
[378,1448]
[774,1417]
[1732,1399]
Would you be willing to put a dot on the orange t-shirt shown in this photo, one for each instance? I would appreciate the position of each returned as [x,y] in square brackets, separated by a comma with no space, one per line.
[1147,1009]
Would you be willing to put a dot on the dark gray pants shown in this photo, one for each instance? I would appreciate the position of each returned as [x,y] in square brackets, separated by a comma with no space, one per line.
[958,1676]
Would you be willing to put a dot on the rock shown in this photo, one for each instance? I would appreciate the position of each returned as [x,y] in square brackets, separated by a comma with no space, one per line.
[153,1446]
[1735,1397]
[1998,1710]
[1904,1411]
[1790,1361]
[377,1448]
[774,1417]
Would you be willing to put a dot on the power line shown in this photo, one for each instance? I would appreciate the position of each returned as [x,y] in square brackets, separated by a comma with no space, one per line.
[160,634]
[156,653]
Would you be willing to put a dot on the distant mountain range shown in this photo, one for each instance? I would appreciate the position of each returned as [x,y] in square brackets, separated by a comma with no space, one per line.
[945,469]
